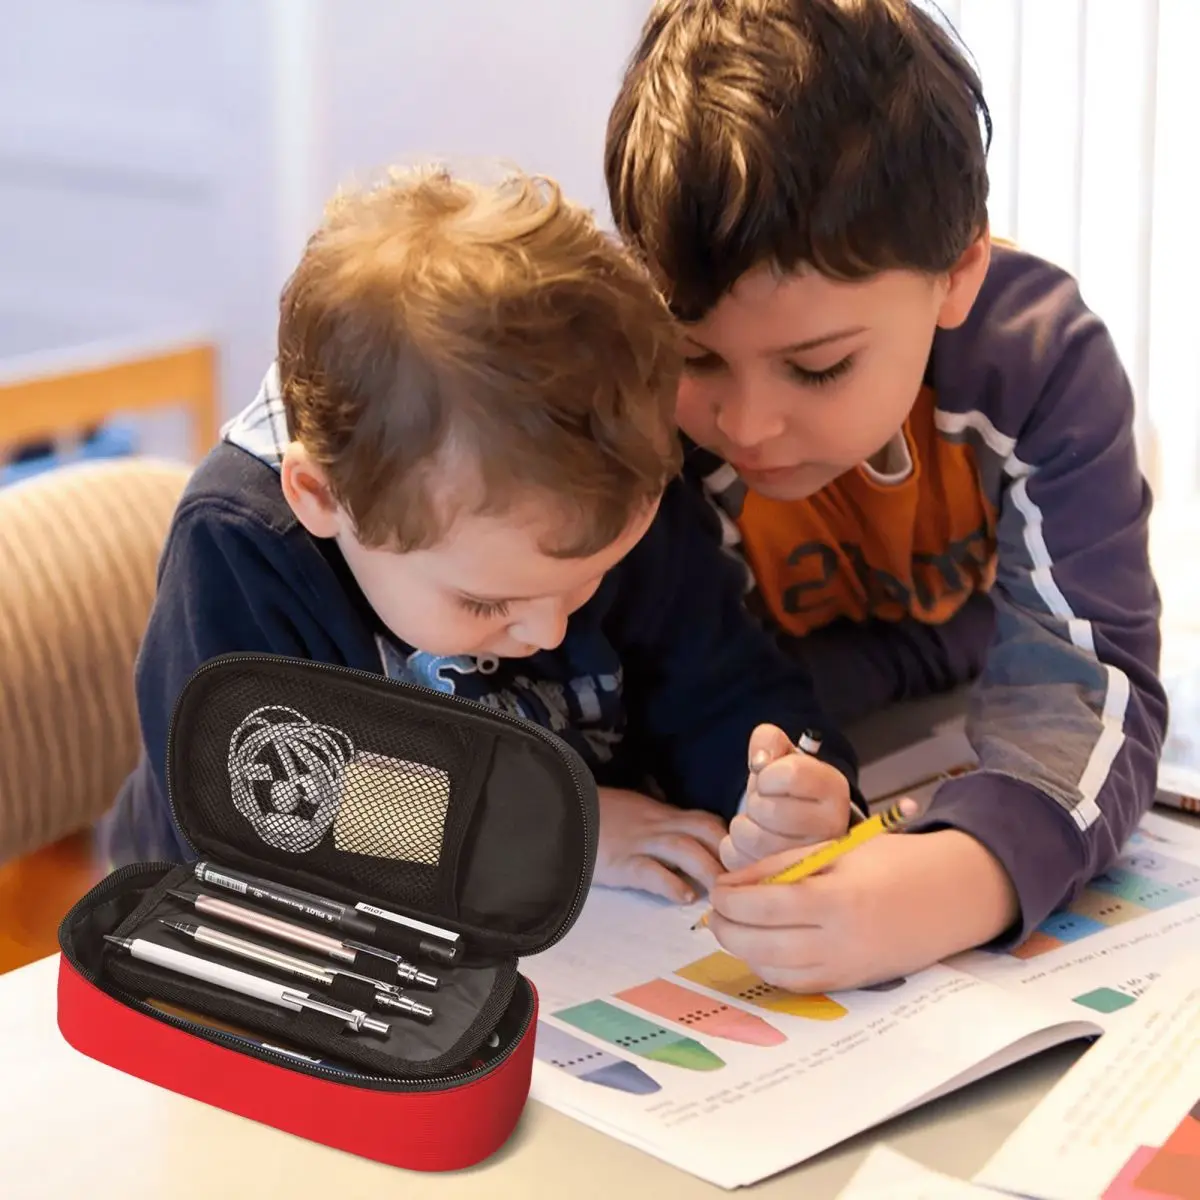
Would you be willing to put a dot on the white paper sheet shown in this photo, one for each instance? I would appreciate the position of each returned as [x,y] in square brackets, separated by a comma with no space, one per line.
[1124,1122]
[888,1175]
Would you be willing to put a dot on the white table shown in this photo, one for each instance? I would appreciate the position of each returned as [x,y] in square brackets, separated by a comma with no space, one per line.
[71,1127]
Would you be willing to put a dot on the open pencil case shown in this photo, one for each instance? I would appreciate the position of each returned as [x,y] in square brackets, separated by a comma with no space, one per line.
[369,792]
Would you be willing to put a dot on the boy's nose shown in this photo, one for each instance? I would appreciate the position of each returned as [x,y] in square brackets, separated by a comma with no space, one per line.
[543,624]
[747,421]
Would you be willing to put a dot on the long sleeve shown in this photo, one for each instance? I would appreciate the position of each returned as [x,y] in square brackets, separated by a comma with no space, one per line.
[1068,716]
[232,577]
[700,673]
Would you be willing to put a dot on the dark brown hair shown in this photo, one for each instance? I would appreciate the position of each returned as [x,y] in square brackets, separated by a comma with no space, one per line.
[848,135]
[445,345]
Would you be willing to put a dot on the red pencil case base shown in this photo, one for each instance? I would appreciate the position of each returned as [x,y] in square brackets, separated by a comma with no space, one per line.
[430,1129]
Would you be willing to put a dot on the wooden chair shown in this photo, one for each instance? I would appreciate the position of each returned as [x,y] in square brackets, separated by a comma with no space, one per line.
[45,396]
[79,547]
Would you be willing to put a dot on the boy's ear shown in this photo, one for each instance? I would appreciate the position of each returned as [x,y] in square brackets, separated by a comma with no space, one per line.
[306,489]
[965,279]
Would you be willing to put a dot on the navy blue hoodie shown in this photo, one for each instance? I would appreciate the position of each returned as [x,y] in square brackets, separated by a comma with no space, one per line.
[661,677]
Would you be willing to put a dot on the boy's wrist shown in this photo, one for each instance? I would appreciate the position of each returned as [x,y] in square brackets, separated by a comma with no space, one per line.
[984,902]
[1018,830]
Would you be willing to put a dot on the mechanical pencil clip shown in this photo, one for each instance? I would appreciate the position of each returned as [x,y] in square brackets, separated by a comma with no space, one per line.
[244,983]
[386,995]
[299,935]
[886,822]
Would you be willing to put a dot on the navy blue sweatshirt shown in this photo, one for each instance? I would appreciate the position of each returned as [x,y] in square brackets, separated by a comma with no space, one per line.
[662,674]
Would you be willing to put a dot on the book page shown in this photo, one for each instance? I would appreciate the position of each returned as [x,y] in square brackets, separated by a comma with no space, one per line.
[888,1175]
[1111,942]
[650,1032]
[1124,1122]
[1115,937]
[1179,763]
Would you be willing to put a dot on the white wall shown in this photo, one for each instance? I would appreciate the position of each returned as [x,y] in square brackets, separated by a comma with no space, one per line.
[161,161]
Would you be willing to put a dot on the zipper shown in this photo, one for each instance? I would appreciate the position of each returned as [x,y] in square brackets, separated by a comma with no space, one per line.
[269,1054]
[427,695]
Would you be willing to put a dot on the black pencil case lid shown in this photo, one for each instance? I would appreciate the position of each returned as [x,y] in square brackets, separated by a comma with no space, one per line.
[365,789]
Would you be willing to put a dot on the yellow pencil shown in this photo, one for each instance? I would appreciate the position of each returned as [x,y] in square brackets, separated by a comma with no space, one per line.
[864,831]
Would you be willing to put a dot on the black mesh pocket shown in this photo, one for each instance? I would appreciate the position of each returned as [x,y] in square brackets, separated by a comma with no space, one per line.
[314,772]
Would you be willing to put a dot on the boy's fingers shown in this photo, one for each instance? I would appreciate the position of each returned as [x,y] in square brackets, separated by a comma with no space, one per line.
[707,828]
[796,819]
[649,875]
[801,775]
[773,905]
[768,743]
[732,859]
[686,855]
[757,871]
[795,948]
[752,841]
[818,977]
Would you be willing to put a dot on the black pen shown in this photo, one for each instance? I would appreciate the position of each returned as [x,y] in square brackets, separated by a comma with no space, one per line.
[278,895]
[434,942]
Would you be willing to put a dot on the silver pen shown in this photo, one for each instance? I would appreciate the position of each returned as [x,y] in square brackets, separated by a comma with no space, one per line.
[298,935]
[386,995]
[244,983]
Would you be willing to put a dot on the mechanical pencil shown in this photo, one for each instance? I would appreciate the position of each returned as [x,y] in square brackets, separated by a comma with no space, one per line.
[387,995]
[244,983]
[299,935]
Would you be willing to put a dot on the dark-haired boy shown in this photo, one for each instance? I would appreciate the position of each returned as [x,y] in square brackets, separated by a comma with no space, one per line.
[923,443]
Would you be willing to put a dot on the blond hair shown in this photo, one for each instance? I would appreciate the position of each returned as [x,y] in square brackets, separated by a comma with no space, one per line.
[433,321]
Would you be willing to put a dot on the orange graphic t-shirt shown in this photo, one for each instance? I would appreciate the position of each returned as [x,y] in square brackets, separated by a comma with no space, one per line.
[863,547]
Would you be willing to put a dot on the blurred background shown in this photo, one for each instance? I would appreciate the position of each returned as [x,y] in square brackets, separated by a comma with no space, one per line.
[162,161]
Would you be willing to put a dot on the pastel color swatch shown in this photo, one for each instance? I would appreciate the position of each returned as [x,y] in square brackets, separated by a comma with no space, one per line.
[1105,1000]
[645,1038]
[662,998]
[1142,881]
[589,1063]
[731,977]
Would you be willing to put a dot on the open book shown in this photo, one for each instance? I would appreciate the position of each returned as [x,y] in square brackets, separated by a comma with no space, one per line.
[1179,765]
[1124,1122]
[651,1033]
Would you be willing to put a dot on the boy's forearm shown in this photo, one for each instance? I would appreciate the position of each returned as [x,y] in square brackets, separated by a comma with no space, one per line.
[1023,837]
[965,897]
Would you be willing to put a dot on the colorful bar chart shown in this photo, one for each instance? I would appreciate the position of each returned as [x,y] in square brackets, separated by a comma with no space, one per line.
[644,1038]
[730,976]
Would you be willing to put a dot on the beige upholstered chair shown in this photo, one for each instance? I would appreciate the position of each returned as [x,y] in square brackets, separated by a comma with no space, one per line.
[79,549]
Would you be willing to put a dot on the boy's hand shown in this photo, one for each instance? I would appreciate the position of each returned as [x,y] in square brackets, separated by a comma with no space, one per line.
[655,847]
[792,799]
[893,906]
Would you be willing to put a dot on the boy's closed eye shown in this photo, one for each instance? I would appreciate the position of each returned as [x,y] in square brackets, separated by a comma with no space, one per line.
[819,377]
[484,608]
[710,364]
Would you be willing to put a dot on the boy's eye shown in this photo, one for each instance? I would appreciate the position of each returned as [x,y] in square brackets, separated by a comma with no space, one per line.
[826,375]
[484,608]
[700,364]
